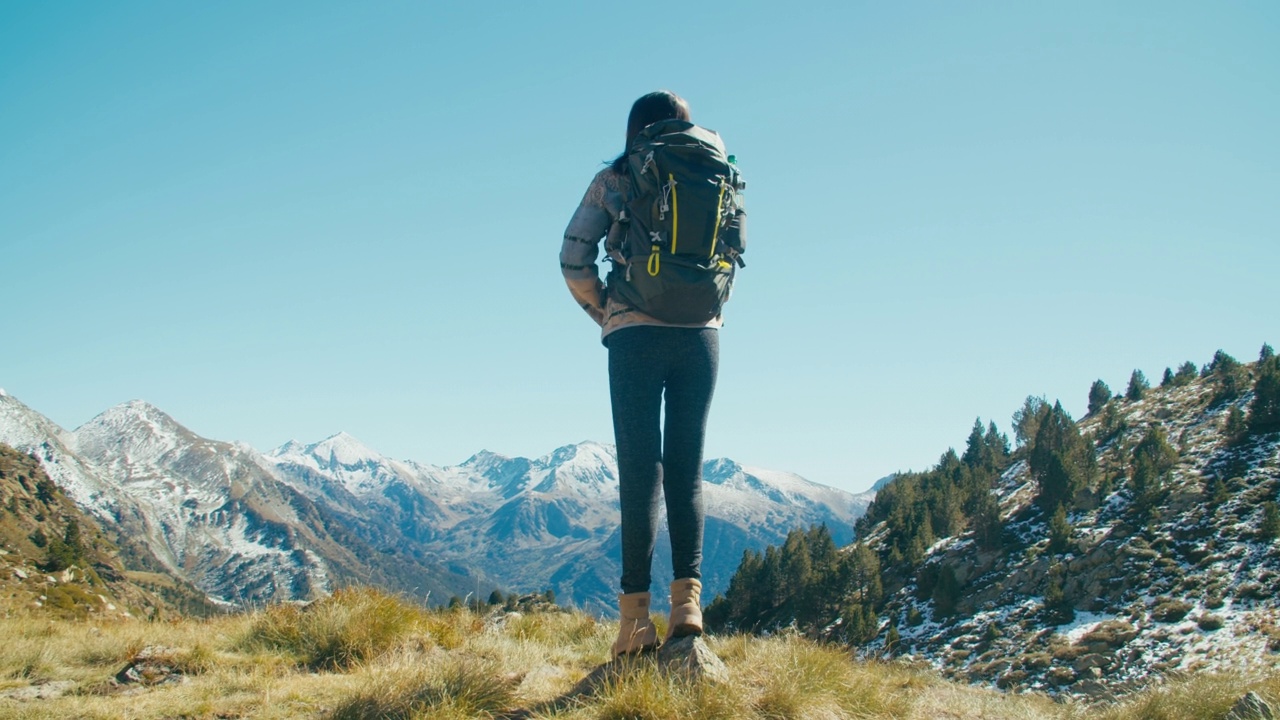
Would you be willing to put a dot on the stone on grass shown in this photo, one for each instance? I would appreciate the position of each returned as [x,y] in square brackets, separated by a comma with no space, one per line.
[690,656]
[1251,707]
[687,656]
[153,665]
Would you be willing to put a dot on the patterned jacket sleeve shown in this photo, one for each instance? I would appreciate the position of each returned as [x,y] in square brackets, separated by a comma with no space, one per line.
[581,247]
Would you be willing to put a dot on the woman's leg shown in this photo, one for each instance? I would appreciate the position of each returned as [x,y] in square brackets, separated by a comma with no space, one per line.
[635,389]
[690,385]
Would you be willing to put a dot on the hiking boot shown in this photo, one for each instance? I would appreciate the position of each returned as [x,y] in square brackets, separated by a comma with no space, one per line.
[636,632]
[686,608]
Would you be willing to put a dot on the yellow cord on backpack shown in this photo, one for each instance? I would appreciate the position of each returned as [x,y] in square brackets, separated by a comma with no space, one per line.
[655,262]
[675,213]
[719,213]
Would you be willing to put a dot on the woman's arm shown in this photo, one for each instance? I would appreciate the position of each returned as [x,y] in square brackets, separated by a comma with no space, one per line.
[581,248]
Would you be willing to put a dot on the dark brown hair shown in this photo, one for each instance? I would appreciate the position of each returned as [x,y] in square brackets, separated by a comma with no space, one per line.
[649,109]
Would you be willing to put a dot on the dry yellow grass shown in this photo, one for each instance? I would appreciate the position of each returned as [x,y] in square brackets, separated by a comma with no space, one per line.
[364,654]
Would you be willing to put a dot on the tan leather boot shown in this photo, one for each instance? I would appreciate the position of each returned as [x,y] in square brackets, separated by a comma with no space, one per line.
[686,608]
[636,632]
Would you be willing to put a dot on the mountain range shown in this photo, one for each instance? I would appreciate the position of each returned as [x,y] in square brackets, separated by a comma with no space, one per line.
[298,521]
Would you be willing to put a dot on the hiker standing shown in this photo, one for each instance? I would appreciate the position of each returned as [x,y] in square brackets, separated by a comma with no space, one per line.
[670,211]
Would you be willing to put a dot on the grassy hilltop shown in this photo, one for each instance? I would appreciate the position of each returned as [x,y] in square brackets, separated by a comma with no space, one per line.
[365,654]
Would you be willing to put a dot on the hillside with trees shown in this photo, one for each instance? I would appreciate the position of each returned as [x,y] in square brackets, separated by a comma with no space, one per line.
[55,560]
[1083,558]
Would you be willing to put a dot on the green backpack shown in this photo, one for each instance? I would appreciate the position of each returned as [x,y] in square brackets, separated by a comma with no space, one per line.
[675,244]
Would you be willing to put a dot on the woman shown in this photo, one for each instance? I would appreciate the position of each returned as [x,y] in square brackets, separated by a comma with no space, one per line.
[648,360]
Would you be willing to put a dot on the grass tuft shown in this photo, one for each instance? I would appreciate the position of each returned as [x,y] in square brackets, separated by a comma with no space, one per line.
[351,626]
[1207,696]
[458,687]
[802,679]
[644,691]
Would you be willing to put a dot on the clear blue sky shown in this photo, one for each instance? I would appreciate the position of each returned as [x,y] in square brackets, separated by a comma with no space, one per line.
[281,220]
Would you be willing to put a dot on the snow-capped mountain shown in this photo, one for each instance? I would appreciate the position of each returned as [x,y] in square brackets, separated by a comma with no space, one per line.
[246,526]
[209,512]
[550,521]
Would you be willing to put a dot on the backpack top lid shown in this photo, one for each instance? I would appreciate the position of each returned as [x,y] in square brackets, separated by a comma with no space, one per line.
[677,132]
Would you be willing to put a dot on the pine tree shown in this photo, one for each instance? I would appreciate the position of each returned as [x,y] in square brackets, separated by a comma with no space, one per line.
[1266,353]
[1186,373]
[946,591]
[1059,532]
[997,446]
[1099,394]
[1153,458]
[988,530]
[975,448]
[1026,420]
[1057,604]
[1235,428]
[1167,380]
[1228,375]
[859,624]
[496,598]
[892,639]
[1138,386]
[1264,409]
[864,575]
[1113,423]
[1061,461]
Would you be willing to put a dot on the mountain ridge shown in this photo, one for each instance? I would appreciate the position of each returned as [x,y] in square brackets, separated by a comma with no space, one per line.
[289,523]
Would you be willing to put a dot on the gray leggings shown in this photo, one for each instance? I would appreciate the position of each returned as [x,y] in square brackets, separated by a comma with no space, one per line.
[645,362]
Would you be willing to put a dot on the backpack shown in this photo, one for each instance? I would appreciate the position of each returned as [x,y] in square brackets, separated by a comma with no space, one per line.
[677,238]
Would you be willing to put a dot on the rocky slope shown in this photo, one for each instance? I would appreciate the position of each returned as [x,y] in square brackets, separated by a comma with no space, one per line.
[1175,575]
[56,559]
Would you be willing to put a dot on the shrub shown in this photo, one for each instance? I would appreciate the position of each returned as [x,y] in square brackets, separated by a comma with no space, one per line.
[1167,610]
[1114,633]
[350,626]
[1270,526]
[1209,622]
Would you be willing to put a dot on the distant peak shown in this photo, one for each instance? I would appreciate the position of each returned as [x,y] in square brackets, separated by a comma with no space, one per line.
[485,457]
[344,439]
[3,393]
[134,410]
[345,449]
[290,446]
[720,466]
[589,447]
